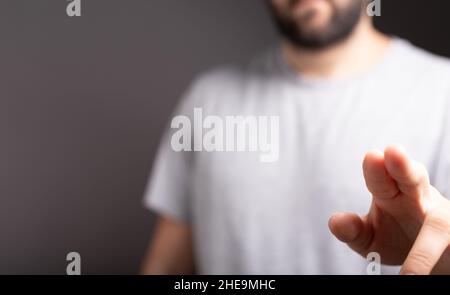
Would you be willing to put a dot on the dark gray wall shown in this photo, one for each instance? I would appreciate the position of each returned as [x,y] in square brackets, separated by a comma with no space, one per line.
[83,104]
[86,101]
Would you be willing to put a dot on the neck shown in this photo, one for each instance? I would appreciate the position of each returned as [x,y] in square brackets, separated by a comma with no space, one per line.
[362,49]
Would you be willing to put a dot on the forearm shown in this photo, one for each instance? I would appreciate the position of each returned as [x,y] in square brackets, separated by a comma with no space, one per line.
[170,251]
[443,265]
[163,263]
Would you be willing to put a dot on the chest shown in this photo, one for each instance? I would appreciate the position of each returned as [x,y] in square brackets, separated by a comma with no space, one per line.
[321,144]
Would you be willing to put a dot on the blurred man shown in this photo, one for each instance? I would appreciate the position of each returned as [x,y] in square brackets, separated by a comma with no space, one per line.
[343,93]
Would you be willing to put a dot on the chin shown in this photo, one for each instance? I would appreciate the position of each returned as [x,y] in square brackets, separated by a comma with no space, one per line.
[315,26]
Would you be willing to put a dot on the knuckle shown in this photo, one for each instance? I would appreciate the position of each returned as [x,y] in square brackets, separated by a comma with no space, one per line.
[383,191]
[439,221]
[420,260]
[420,176]
[423,174]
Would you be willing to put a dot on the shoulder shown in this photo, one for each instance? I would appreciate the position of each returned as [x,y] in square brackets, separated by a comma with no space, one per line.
[420,73]
[423,63]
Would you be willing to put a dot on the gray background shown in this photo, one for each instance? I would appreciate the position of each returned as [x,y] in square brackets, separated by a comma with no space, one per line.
[83,104]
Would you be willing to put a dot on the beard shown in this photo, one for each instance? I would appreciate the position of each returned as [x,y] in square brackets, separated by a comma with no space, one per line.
[340,25]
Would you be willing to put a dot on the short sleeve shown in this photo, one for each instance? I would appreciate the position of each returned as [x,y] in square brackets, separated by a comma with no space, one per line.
[168,189]
[441,177]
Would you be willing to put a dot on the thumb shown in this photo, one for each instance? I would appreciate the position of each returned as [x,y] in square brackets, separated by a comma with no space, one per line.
[353,230]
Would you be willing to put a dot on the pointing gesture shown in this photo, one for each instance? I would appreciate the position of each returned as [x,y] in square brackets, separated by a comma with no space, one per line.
[409,220]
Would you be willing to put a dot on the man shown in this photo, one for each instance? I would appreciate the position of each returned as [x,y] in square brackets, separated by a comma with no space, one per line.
[344,93]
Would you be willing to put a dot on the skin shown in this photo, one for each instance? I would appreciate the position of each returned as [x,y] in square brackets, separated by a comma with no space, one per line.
[409,221]
[364,48]
[170,252]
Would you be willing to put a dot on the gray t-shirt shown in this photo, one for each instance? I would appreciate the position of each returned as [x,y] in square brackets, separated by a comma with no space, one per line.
[251,217]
